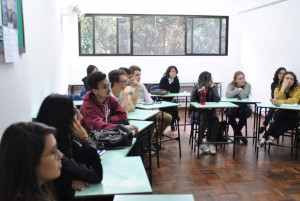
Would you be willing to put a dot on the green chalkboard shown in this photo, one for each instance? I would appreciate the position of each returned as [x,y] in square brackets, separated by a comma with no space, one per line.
[20,29]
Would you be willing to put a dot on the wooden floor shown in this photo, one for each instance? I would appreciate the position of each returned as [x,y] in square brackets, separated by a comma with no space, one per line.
[274,176]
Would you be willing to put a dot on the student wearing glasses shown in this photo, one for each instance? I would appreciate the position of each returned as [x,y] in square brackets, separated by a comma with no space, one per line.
[120,89]
[81,162]
[29,161]
[100,110]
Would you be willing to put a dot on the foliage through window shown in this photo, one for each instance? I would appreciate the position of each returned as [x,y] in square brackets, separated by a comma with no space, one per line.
[153,35]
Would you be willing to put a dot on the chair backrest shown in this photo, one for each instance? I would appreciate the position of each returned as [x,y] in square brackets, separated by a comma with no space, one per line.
[82,92]
[154,87]
[77,97]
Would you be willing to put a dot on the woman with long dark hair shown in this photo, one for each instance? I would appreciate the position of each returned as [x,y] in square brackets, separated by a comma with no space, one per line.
[208,117]
[81,164]
[170,82]
[29,160]
[287,92]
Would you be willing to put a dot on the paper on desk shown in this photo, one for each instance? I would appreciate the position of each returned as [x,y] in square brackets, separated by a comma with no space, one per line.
[289,105]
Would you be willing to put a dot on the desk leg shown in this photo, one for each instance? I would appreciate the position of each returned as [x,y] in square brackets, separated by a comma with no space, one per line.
[185,111]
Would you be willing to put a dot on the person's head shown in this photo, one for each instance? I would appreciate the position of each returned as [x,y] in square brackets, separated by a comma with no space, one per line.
[136,72]
[171,72]
[99,85]
[29,158]
[59,111]
[91,69]
[205,80]
[279,74]
[118,79]
[291,78]
[127,71]
[238,79]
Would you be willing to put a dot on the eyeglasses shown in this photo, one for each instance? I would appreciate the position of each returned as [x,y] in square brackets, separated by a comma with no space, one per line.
[106,87]
[124,81]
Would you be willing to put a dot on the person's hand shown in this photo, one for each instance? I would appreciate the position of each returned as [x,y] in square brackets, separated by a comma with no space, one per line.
[127,90]
[79,185]
[134,82]
[79,133]
[284,85]
[212,84]
[275,101]
[134,128]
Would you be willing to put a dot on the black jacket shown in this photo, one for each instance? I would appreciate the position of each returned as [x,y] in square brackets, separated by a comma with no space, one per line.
[84,166]
[174,87]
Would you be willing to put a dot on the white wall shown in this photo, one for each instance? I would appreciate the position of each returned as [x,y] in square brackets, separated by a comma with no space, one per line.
[153,67]
[270,39]
[23,85]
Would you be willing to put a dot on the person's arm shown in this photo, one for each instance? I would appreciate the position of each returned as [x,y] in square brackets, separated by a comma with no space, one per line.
[135,94]
[126,103]
[164,83]
[85,166]
[146,96]
[245,92]
[231,91]
[117,113]
[215,94]
[280,96]
[273,86]
[175,86]
[94,117]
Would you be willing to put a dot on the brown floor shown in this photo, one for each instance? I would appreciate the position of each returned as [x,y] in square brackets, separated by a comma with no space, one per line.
[274,176]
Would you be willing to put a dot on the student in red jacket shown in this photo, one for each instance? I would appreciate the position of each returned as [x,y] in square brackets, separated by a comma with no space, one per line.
[99,109]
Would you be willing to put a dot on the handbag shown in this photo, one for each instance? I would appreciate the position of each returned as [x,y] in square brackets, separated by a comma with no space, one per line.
[113,138]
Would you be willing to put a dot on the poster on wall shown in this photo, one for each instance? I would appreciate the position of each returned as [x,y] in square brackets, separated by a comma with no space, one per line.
[10,30]
[1,30]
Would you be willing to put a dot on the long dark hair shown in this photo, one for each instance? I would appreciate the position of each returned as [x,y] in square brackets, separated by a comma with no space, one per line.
[169,69]
[58,111]
[275,78]
[21,147]
[295,84]
[204,79]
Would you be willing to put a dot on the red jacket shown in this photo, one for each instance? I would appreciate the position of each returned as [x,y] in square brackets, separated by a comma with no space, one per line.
[101,116]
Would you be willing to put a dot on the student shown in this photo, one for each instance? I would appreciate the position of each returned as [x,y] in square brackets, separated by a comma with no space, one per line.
[238,88]
[276,79]
[287,92]
[133,83]
[120,89]
[170,82]
[143,97]
[208,117]
[81,164]
[99,109]
[29,160]
[90,69]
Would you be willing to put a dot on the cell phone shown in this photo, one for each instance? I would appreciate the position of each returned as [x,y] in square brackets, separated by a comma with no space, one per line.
[239,98]
[147,103]
[157,102]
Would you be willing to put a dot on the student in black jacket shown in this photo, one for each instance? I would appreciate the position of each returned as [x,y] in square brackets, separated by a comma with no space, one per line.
[170,82]
[81,164]
[208,117]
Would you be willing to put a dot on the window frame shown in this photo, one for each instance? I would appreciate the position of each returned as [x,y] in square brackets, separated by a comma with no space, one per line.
[131,16]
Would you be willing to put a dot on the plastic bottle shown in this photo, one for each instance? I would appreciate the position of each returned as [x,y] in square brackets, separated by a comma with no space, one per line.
[202,96]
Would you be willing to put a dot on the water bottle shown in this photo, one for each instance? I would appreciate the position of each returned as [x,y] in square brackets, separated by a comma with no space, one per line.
[202,96]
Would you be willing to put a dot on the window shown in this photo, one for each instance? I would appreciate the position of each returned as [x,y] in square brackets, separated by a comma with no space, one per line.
[153,35]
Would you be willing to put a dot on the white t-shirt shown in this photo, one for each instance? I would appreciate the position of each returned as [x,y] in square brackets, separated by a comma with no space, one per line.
[144,96]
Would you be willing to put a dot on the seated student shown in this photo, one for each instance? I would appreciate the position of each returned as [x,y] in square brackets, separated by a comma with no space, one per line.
[99,109]
[276,79]
[238,88]
[170,82]
[90,69]
[81,162]
[118,80]
[29,160]
[133,83]
[208,117]
[287,92]
[142,96]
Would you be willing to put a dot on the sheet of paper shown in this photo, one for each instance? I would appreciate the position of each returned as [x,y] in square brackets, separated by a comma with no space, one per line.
[11,49]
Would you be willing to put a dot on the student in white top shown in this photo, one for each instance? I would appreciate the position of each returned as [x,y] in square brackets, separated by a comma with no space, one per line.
[120,90]
[144,97]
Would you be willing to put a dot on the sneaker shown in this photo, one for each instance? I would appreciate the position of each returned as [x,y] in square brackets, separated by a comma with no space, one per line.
[270,140]
[212,149]
[261,129]
[204,148]
[261,142]
[162,147]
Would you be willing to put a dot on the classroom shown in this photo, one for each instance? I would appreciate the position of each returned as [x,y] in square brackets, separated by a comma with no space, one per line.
[262,36]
